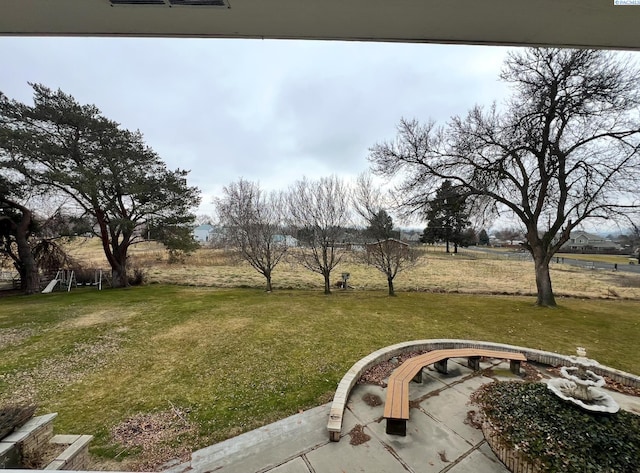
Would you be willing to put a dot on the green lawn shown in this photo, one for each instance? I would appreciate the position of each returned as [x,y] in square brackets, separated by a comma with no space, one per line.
[235,359]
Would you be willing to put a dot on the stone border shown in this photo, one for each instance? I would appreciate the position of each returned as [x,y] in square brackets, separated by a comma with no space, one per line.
[514,460]
[334,426]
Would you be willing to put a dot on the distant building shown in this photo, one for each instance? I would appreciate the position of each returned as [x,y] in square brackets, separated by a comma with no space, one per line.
[410,236]
[202,233]
[287,240]
[583,241]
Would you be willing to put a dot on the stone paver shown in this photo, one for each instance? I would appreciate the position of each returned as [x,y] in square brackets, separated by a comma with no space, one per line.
[438,445]
[266,447]
[344,457]
[297,465]
[479,462]
[359,407]
[450,408]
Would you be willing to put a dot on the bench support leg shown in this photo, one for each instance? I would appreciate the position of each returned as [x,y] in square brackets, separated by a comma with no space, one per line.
[418,377]
[515,366]
[473,362]
[441,366]
[334,436]
[396,427]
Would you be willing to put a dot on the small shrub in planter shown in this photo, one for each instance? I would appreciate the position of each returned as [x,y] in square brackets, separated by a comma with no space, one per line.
[562,437]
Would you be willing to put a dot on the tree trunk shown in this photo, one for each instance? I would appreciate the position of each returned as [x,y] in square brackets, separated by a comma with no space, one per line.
[28,268]
[268,278]
[116,252]
[29,274]
[327,284]
[119,276]
[543,283]
[390,284]
[447,246]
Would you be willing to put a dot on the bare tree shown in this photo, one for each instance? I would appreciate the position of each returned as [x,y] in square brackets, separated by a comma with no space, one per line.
[204,219]
[390,256]
[508,234]
[320,211]
[564,149]
[387,254]
[252,221]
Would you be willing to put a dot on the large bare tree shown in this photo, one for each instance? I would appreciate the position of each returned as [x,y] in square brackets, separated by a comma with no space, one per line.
[384,252]
[563,149]
[320,210]
[253,221]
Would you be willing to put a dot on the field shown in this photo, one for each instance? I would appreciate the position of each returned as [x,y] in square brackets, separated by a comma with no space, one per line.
[157,371]
[469,272]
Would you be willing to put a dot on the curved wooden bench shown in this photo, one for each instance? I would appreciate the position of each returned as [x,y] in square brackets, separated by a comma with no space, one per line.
[396,408]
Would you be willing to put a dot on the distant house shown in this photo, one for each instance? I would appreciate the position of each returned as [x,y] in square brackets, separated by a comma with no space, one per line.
[410,236]
[583,241]
[202,233]
[287,240]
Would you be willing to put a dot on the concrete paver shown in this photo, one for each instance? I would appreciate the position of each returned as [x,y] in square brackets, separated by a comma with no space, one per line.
[438,445]
[297,465]
[266,447]
[364,411]
[471,384]
[344,457]
[450,408]
[479,462]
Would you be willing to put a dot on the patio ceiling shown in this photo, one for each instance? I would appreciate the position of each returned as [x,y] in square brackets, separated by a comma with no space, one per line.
[580,23]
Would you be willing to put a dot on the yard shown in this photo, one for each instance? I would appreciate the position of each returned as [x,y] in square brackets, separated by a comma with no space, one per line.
[157,371]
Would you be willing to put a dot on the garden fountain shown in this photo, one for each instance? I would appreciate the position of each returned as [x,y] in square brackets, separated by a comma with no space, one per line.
[578,385]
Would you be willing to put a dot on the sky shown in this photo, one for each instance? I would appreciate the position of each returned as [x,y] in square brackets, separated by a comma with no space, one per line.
[270,111]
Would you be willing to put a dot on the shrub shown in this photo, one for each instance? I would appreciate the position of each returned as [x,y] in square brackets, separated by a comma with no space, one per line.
[563,437]
[176,256]
[138,277]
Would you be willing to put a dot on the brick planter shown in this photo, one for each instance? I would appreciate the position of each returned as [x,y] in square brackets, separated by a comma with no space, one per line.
[26,440]
[34,437]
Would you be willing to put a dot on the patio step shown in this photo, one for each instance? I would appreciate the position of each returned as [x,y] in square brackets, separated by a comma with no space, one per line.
[26,440]
[75,456]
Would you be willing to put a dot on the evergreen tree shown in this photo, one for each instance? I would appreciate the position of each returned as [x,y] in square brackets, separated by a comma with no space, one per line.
[447,217]
[109,172]
[483,238]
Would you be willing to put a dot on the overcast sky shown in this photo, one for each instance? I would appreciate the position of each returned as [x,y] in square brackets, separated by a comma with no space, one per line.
[270,111]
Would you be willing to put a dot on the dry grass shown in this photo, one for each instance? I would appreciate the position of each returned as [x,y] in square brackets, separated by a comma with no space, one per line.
[469,272]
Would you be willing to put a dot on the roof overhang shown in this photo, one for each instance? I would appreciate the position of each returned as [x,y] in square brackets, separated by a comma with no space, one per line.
[577,23]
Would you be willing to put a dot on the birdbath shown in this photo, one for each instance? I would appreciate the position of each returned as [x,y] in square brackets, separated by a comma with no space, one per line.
[579,385]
